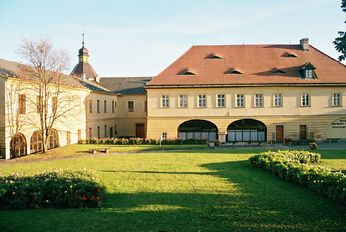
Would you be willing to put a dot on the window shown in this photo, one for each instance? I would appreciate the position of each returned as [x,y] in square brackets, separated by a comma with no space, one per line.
[336,101]
[258,100]
[90,133]
[105,131]
[240,100]
[233,71]
[305,99]
[220,100]
[113,107]
[309,73]
[68,137]
[186,72]
[22,103]
[90,106]
[202,101]
[98,132]
[115,129]
[98,106]
[182,101]
[39,103]
[165,101]
[145,106]
[212,56]
[79,132]
[54,104]
[277,99]
[130,106]
[164,136]
[105,106]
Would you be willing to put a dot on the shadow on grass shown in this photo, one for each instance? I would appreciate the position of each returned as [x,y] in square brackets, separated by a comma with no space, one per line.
[258,202]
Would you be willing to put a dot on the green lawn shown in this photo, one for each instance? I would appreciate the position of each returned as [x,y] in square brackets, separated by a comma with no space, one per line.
[196,189]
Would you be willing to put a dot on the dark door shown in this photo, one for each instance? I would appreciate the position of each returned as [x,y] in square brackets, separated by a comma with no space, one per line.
[279,133]
[140,130]
[302,132]
[111,132]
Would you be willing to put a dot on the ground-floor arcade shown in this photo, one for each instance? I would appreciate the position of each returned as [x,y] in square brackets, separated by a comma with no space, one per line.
[234,129]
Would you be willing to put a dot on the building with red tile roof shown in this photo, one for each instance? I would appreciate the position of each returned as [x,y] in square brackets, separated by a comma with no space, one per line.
[249,93]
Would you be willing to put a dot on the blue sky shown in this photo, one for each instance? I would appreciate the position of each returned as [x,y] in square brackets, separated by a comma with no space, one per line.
[141,38]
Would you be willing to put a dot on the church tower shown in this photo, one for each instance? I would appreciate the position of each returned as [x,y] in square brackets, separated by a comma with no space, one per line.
[83,70]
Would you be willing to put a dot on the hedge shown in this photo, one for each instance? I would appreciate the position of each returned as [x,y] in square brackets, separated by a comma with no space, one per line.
[54,189]
[302,168]
[140,141]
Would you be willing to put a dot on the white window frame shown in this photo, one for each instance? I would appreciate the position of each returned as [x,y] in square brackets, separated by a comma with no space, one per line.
[240,98]
[164,136]
[164,101]
[309,73]
[305,100]
[256,100]
[220,100]
[183,101]
[275,97]
[336,99]
[202,101]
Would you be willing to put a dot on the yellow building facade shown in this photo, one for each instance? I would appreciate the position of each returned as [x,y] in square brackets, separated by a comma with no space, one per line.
[249,93]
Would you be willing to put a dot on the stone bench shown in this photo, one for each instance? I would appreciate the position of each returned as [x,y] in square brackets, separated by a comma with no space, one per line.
[96,150]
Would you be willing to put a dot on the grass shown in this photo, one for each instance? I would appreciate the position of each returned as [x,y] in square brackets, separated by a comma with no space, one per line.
[187,190]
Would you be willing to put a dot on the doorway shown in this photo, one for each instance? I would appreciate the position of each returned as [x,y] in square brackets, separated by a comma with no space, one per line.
[302,132]
[140,130]
[279,133]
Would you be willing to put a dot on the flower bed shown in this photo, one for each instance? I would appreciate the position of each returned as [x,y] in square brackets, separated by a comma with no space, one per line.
[301,167]
[55,189]
[140,141]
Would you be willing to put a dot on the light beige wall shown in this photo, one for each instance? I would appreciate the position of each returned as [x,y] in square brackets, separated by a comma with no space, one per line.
[126,121]
[101,119]
[28,123]
[2,117]
[317,117]
[320,102]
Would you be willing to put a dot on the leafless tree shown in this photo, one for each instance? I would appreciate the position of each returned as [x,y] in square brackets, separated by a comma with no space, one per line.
[45,66]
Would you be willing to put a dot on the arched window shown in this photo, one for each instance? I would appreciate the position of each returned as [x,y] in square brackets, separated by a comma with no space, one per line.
[53,139]
[36,142]
[197,129]
[18,146]
[247,130]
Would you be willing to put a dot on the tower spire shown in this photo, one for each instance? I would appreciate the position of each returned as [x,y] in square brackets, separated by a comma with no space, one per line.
[83,39]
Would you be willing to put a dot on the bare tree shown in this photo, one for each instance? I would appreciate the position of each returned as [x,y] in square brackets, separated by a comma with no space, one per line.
[44,70]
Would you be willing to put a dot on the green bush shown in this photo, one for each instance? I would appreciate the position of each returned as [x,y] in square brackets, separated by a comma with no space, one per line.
[301,167]
[141,141]
[55,189]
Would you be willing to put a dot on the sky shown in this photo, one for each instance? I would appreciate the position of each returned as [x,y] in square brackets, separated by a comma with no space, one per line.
[141,38]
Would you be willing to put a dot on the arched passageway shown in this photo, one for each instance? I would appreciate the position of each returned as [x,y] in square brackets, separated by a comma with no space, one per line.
[247,130]
[197,129]
[18,146]
[36,142]
[53,139]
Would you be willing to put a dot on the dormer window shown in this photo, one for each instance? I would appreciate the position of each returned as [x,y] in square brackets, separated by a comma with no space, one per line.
[307,71]
[289,55]
[186,72]
[233,71]
[213,57]
[279,71]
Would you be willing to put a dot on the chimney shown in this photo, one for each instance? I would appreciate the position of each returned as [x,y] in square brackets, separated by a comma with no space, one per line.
[83,77]
[304,43]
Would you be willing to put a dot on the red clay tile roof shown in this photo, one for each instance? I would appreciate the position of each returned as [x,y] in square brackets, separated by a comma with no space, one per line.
[256,62]
[11,69]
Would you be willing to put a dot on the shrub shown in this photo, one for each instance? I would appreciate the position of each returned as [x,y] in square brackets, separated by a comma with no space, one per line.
[301,167]
[55,189]
[141,141]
